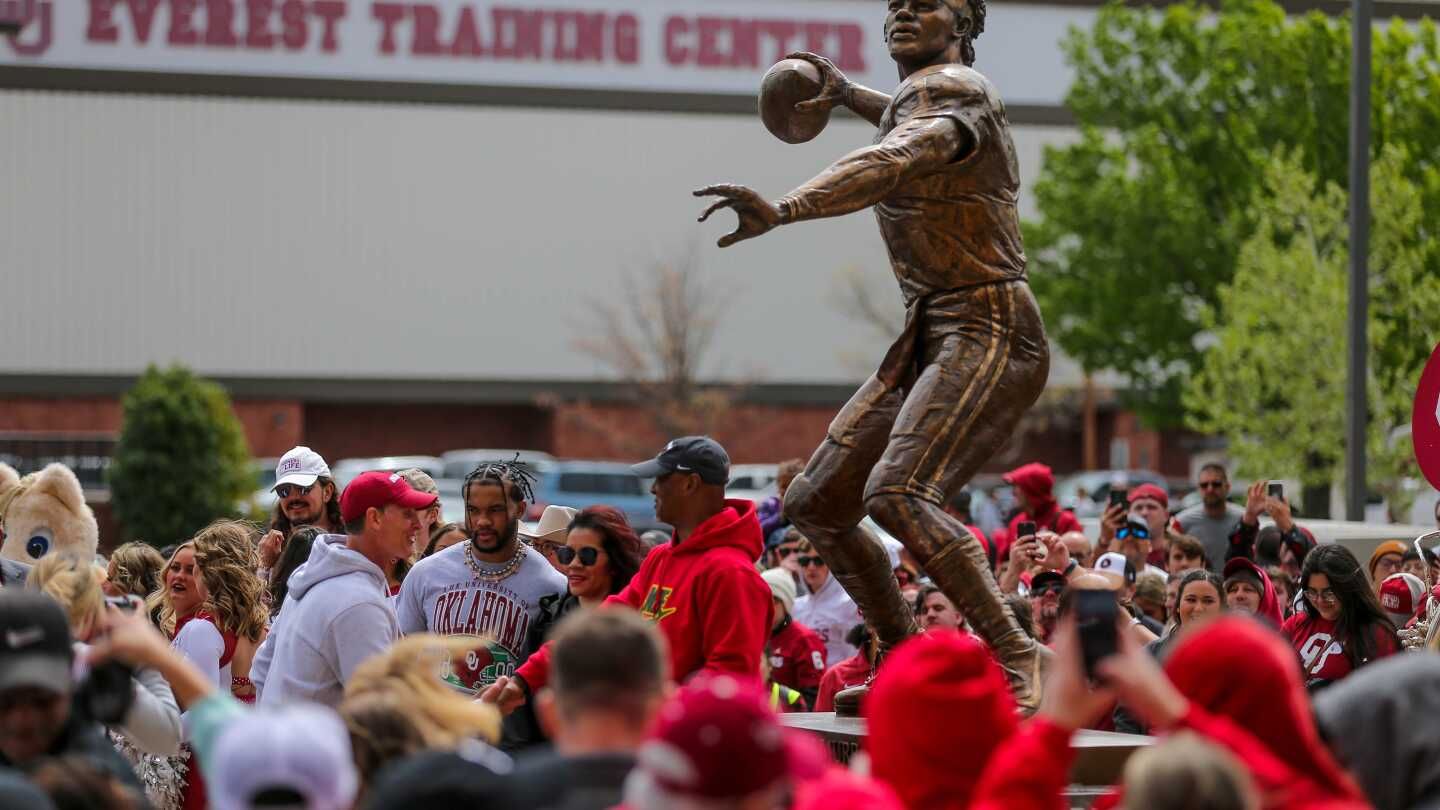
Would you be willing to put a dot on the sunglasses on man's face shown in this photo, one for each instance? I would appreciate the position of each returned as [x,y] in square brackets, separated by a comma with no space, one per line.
[1212,485]
[785,551]
[588,555]
[291,489]
[806,562]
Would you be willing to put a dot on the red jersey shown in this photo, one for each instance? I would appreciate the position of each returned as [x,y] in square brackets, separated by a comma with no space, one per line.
[704,595]
[1321,655]
[852,671]
[797,656]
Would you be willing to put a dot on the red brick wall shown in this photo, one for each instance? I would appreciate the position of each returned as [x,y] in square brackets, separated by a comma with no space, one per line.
[752,434]
[271,427]
[348,430]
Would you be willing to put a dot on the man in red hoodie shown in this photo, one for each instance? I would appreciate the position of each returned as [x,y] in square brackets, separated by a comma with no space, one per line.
[701,588]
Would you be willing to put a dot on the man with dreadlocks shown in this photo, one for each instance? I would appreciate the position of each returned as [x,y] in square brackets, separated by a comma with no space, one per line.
[490,585]
[701,588]
[943,180]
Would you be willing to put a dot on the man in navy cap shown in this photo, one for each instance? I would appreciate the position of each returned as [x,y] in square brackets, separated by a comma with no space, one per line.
[701,589]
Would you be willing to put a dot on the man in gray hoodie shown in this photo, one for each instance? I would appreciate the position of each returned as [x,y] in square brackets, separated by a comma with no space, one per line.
[337,612]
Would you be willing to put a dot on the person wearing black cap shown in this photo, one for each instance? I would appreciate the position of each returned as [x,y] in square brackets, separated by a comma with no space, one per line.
[701,588]
[41,713]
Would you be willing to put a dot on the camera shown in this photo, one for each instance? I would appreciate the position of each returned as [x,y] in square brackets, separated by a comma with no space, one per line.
[106,692]
[1118,497]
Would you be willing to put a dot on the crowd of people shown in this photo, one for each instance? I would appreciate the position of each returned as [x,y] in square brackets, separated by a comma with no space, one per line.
[358,652]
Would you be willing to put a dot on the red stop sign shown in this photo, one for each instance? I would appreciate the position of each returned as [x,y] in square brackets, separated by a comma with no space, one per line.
[1425,421]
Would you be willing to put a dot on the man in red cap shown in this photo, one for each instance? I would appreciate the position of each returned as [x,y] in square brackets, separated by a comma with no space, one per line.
[717,745]
[337,612]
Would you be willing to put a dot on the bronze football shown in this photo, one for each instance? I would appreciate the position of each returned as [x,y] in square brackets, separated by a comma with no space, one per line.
[788,83]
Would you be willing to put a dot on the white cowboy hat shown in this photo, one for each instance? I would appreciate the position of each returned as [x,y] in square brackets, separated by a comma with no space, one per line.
[553,523]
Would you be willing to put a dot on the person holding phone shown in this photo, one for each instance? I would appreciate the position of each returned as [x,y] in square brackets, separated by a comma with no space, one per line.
[1268,497]
[1034,486]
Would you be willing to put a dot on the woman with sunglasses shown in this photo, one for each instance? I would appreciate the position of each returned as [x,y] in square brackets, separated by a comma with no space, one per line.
[600,555]
[1341,626]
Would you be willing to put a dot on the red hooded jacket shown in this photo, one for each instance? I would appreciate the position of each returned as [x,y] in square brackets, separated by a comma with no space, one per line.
[937,712]
[1269,602]
[1038,484]
[1242,681]
[704,594]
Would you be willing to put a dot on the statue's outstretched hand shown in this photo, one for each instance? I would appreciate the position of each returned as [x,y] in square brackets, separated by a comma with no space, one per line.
[832,87]
[757,215]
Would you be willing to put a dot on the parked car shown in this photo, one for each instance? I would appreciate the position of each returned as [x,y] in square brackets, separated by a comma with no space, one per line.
[460,463]
[347,469]
[579,484]
[1097,485]
[754,482]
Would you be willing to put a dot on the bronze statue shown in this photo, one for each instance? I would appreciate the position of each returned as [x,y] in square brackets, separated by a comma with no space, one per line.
[943,179]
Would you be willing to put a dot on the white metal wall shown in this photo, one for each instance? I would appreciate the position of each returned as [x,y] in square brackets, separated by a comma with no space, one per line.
[287,238]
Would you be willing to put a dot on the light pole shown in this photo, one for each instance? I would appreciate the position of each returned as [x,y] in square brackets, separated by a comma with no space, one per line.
[1359,300]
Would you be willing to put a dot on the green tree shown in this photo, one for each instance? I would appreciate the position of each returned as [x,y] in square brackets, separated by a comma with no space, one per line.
[1273,380]
[181,460]
[1179,112]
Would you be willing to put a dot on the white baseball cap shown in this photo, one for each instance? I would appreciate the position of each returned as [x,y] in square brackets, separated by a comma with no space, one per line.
[301,466]
[300,747]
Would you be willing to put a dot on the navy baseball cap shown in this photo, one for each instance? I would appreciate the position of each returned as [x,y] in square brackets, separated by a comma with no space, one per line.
[700,455]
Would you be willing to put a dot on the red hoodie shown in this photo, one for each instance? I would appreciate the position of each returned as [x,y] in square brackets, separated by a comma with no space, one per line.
[1240,677]
[1038,483]
[937,711]
[1269,602]
[705,595]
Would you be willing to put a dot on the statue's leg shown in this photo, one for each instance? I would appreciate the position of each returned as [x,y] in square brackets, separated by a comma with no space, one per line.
[826,504]
[986,362]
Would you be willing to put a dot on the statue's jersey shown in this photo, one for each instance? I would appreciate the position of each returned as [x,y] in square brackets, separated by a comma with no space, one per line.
[958,226]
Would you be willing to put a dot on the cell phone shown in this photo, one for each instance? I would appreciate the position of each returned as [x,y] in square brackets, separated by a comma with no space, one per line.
[1117,497]
[1095,614]
[1277,491]
[125,603]
[1026,528]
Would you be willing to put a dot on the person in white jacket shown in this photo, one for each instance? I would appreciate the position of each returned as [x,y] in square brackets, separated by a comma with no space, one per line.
[337,612]
[825,608]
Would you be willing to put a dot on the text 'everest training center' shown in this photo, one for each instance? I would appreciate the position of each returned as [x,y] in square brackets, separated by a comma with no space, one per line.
[426,209]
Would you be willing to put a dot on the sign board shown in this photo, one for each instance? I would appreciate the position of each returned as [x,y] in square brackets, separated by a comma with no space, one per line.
[1425,420]
[655,46]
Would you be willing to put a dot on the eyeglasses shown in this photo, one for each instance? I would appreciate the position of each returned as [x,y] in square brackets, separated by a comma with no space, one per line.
[588,555]
[806,562]
[1211,485]
[785,551]
[547,548]
[1322,595]
[287,490]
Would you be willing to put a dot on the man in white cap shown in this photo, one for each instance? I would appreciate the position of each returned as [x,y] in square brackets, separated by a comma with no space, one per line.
[307,496]
[550,533]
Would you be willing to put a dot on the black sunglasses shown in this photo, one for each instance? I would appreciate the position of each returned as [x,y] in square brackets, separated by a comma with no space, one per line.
[806,562]
[785,551]
[286,490]
[588,555]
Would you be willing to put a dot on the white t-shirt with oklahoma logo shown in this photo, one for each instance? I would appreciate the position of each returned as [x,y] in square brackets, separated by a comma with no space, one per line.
[442,595]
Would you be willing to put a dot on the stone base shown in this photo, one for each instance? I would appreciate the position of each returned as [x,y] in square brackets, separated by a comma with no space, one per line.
[1099,761]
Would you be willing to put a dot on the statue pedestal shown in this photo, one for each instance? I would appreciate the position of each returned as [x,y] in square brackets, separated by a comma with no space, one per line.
[1099,762]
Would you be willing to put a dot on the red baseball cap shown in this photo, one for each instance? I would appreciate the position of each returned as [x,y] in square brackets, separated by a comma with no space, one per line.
[718,738]
[1400,597]
[379,489]
[1150,491]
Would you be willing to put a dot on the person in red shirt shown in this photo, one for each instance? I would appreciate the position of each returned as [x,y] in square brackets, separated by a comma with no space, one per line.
[853,671]
[1034,485]
[1342,626]
[796,653]
[701,589]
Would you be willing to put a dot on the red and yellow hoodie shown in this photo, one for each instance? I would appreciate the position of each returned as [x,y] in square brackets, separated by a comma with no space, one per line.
[705,596]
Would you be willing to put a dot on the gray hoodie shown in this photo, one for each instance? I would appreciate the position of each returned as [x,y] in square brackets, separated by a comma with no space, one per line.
[337,614]
[1380,722]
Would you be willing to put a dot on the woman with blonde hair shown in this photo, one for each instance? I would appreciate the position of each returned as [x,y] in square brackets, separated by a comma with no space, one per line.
[134,570]
[411,671]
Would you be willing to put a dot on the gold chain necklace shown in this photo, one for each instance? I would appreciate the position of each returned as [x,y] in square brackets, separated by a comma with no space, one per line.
[498,574]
